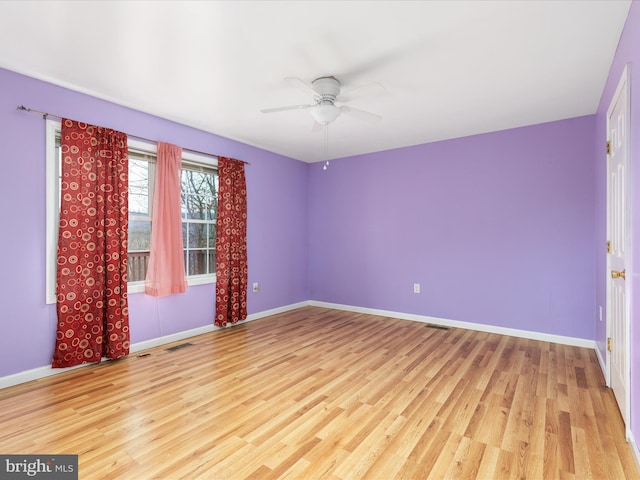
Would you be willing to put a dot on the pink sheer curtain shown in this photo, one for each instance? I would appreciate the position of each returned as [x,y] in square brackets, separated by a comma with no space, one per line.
[166,274]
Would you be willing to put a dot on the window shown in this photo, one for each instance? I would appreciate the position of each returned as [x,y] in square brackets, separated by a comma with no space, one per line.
[199,187]
[141,176]
[199,195]
[199,207]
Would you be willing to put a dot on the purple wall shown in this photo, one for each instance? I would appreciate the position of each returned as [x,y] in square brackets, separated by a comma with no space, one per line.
[277,234]
[627,52]
[497,228]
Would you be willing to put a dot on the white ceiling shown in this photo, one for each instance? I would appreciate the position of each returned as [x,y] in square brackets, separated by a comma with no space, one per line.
[450,68]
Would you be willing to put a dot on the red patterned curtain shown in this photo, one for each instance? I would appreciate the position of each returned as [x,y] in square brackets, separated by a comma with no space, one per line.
[91,289]
[231,243]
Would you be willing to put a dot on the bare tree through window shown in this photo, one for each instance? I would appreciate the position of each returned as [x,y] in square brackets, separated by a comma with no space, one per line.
[199,198]
[199,194]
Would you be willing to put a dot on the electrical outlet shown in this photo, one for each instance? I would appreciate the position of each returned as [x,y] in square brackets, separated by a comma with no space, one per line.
[256,286]
[416,288]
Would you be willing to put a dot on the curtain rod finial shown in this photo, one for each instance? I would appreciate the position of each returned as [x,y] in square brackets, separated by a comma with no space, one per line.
[25,109]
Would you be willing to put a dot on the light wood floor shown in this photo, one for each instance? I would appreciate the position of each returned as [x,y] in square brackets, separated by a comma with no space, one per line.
[325,394]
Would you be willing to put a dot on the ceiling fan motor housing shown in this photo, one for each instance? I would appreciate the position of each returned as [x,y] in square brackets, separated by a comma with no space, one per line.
[326,92]
[328,88]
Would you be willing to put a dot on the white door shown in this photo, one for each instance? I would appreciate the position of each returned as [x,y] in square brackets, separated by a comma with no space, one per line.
[618,247]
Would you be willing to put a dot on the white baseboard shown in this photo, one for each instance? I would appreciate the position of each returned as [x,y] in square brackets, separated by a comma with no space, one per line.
[33,374]
[634,448]
[603,366]
[545,337]
[174,337]
[154,342]
[276,311]
[47,371]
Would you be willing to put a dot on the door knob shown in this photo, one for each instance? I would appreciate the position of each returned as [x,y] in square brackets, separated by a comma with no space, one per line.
[617,274]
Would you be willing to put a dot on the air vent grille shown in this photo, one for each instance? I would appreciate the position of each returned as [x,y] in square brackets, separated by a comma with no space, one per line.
[178,347]
[439,327]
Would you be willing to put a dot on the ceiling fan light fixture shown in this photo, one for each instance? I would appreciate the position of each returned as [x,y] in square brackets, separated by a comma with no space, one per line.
[325,114]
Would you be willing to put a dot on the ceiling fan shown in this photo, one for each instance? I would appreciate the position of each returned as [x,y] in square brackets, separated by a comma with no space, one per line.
[326,91]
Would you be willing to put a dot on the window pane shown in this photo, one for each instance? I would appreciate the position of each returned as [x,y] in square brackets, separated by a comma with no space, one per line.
[197,235]
[212,261]
[199,194]
[212,236]
[199,202]
[139,235]
[138,264]
[59,175]
[211,207]
[138,187]
[196,261]
[194,207]
[194,235]
[199,207]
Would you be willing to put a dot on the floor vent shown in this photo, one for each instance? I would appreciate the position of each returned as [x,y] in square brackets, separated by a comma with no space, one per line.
[178,347]
[439,327]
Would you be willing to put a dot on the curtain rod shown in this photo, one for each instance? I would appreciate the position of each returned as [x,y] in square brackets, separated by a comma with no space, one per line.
[45,115]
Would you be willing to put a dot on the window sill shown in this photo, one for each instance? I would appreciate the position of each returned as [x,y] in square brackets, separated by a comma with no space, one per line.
[138,287]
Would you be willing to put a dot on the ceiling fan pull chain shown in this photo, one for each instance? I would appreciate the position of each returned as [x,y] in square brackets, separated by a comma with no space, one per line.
[326,146]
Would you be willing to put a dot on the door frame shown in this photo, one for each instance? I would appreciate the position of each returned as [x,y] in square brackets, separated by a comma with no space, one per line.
[623,83]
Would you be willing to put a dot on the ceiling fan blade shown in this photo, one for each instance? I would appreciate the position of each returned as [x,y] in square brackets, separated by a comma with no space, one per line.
[360,114]
[395,56]
[300,84]
[368,90]
[283,109]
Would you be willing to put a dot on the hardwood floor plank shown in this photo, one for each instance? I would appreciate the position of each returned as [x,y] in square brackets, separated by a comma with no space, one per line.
[565,441]
[504,468]
[609,440]
[445,458]
[550,464]
[467,459]
[326,394]
[488,463]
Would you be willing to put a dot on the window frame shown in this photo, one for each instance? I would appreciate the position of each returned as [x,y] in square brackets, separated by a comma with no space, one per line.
[188,164]
[53,128]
